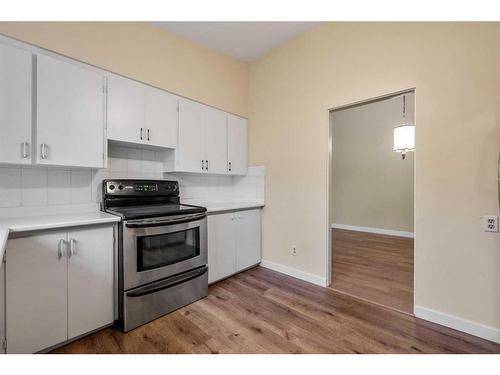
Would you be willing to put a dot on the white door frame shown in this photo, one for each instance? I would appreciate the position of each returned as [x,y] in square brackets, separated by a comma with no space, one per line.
[329,249]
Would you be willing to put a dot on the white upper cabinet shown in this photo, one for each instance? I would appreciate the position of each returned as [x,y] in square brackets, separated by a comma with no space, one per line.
[15,105]
[215,140]
[161,117]
[204,141]
[70,114]
[190,152]
[140,114]
[237,145]
[125,110]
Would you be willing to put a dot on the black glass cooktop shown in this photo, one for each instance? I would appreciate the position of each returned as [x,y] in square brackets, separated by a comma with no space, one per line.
[155,210]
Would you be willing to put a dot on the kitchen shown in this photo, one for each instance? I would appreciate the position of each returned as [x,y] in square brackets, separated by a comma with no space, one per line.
[114,110]
[152,200]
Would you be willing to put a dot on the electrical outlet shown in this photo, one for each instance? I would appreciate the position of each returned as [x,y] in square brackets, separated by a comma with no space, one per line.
[490,223]
[294,251]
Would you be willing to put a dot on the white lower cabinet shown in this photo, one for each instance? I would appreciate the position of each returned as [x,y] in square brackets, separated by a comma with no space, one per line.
[90,280]
[248,247]
[57,289]
[234,243]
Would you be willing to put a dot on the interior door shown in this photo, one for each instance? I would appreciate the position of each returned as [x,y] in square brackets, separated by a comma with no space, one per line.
[190,148]
[237,145]
[161,117]
[15,105]
[221,246]
[215,140]
[70,114]
[248,231]
[90,279]
[125,110]
[36,291]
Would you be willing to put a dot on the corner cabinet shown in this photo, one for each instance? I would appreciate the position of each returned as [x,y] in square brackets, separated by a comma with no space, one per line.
[237,134]
[59,285]
[210,141]
[140,114]
[234,243]
[70,114]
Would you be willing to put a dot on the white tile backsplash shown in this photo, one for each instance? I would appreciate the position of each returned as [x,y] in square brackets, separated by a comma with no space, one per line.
[41,186]
[81,186]
[34,186]
[10,193]
[58,186]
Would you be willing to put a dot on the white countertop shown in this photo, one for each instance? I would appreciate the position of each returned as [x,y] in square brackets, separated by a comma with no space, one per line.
[63,220]
[221,206]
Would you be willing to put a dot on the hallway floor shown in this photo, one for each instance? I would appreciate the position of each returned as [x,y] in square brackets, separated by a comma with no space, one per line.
[374,267]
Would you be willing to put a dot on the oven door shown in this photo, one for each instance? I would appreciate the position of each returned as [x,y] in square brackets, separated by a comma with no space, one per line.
[161,247]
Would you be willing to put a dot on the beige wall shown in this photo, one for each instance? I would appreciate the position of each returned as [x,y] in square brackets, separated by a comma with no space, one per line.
[455,69]
[146,53]
[372,186]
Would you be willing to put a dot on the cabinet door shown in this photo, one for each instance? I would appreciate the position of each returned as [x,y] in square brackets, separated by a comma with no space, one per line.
[90,279]
[190,148]
[70,114]
[215,140]
[15,105]
[125,110]
[221,246]
[237,145]
[161,118]
[248,239]
[36,289]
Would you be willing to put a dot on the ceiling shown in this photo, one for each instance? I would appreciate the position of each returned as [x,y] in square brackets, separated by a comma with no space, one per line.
[245,41]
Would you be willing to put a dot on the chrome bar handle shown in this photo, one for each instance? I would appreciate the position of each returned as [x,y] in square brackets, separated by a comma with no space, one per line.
[43,151]
[25,152]
[148,134]
[60,249]
[72,245]
[141,134]
[230,167]
[207,164]
[203,165]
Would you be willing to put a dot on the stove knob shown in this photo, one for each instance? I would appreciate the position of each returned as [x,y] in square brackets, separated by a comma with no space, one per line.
[120,187]
[111,187]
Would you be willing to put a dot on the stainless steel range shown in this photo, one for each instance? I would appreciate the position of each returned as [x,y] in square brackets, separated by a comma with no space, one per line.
[162,257]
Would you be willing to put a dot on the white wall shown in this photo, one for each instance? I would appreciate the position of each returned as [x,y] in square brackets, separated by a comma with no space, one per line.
[455,68]
[372,186]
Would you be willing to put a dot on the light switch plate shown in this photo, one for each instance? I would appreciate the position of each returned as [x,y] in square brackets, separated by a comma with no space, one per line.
[490,223]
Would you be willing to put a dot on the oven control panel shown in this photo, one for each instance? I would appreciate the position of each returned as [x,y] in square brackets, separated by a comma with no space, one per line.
[140,187]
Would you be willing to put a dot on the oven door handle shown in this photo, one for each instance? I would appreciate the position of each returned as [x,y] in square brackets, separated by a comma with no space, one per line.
[161,222]
[168,283]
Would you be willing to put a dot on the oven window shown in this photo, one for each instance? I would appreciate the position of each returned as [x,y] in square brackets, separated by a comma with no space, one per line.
[164,249]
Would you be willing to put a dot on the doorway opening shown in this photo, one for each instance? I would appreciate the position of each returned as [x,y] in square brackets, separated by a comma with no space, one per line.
[371,195]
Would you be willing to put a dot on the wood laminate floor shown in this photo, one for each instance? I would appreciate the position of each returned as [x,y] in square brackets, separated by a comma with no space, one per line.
[374,267]
[262,311]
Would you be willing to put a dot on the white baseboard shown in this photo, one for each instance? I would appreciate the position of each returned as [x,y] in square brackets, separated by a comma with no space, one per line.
[306,276]
[467,326]
[388,232]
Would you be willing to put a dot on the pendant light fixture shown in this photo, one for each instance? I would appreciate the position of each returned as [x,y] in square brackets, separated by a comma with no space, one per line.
[404,135]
